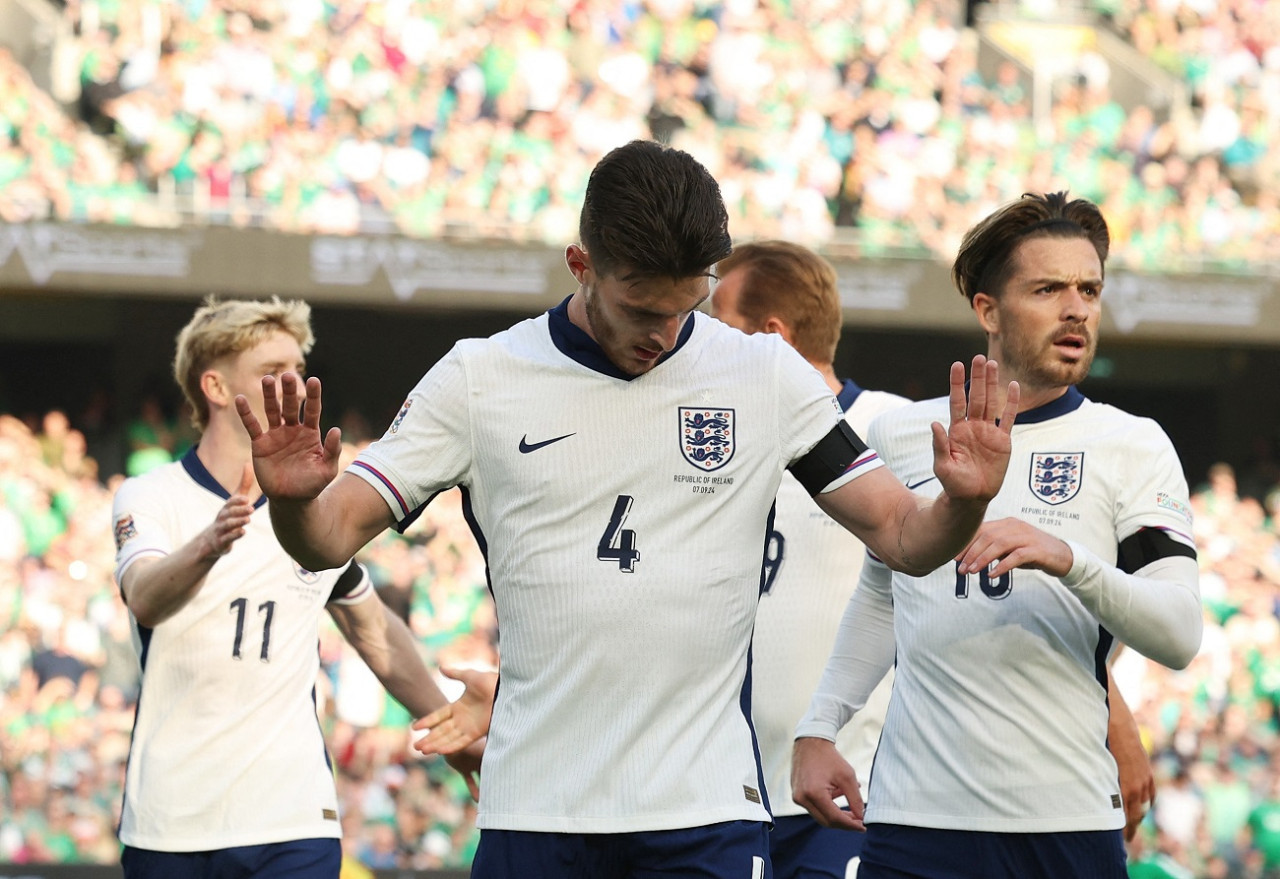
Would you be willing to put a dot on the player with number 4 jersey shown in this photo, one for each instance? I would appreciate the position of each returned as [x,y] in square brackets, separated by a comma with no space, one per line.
[619,457]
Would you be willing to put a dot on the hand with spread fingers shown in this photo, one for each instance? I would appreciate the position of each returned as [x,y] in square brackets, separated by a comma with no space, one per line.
[290,458]
[970,455]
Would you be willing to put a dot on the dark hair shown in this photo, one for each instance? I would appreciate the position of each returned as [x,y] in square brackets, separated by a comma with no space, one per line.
[983,264]
[653,211]
[795,284]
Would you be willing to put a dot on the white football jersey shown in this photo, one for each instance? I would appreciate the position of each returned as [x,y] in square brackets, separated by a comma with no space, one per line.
[998,718]
[811,571]
[623,520]
[227,750]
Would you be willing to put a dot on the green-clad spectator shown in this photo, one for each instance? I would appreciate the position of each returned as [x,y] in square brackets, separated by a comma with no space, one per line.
[1227,804]
[1264,830]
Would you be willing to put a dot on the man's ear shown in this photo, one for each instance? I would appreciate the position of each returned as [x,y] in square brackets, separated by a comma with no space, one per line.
[578,261]
[774,324]
[215,387]
[987,308]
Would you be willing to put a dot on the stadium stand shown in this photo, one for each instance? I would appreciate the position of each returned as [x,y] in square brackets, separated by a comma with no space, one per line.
[869,125]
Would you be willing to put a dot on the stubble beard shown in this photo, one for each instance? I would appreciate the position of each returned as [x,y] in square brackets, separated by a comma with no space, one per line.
[606,336]
[1038,367]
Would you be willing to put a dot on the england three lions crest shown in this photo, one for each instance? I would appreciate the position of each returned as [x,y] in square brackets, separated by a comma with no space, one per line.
[706,436]
[1056,476]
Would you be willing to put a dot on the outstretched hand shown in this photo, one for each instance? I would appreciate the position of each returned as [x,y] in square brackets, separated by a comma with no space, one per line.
[290,459]
[971,455]
[232,520]
[458,725]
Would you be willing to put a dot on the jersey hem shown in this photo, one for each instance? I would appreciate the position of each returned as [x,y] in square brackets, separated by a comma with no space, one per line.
[621,824]
[995,824]
[167,843]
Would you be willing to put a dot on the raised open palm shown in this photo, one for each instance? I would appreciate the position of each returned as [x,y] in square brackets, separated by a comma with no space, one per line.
[290,459]
[970,456]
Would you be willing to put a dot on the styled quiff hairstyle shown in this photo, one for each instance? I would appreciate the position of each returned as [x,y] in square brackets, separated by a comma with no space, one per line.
[653,211]
[219,330]
[983,265]
[794,284]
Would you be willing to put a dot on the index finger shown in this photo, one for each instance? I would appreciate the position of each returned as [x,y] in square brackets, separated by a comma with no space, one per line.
[311,408]
[246,481]
[1012,397]
[957,397]
[247,418]
[434,718]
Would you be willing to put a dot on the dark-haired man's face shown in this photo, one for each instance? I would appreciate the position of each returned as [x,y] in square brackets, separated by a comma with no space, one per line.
[637,320]
[1043,328]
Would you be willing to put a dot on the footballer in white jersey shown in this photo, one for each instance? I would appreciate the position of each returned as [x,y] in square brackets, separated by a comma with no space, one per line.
[227,750]
[612,537]
[998,719]
[810,573]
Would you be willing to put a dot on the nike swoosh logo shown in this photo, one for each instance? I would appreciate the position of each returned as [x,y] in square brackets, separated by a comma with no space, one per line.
[527,447]
[911,487]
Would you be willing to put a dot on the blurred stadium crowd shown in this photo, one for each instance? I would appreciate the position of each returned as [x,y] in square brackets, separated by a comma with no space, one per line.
[483,117]
[69,675]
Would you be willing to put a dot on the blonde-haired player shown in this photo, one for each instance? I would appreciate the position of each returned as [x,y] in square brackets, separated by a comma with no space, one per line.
[228,774]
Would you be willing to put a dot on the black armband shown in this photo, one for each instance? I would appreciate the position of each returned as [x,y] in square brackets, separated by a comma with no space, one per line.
[1148,545]
[830,459]
[348,581]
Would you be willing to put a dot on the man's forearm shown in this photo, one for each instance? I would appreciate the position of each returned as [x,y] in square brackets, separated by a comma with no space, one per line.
[157,588]
[306,531]
[933,534]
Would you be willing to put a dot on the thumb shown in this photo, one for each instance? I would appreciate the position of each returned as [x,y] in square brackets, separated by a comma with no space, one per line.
[246,481]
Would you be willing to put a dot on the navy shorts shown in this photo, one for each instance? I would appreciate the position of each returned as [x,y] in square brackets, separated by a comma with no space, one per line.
[297,859]
[893,851]
[801,848]
[732,850]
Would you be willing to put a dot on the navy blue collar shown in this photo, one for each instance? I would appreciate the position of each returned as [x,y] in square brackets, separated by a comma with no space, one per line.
[575,344]
[196,470]
[849,391]
[1068,402]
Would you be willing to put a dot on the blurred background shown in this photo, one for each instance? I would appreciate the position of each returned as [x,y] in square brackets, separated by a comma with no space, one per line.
[414,168]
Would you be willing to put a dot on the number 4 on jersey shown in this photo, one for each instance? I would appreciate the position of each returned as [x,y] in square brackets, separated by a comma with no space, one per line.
[618,543]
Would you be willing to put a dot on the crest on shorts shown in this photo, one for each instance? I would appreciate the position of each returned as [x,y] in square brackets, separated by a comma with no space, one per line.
[706,436]
[1055,476]
[125,530]
[404,410]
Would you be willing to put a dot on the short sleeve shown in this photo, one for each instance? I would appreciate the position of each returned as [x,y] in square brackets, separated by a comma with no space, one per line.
[139,524]
[807,409]
[1155,489]
[427,447]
